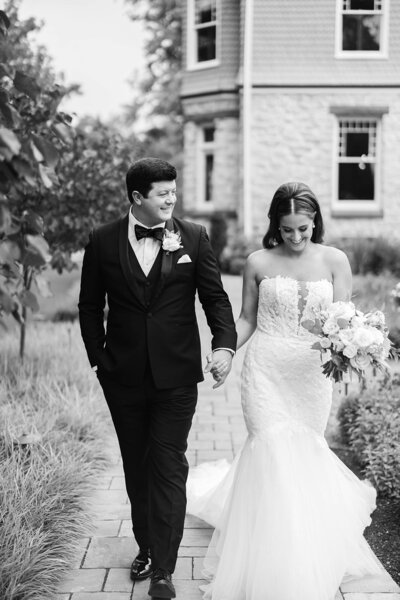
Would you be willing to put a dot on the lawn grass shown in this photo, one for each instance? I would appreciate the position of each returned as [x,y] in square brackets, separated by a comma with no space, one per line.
[53,441]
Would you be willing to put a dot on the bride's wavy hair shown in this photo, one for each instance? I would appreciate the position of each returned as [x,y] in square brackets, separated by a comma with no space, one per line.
[289,198]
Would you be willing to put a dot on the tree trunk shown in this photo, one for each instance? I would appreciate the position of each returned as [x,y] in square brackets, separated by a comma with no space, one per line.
[28,275]
[22,335]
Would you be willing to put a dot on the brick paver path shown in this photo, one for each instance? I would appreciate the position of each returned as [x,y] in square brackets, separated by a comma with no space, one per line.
[101,570]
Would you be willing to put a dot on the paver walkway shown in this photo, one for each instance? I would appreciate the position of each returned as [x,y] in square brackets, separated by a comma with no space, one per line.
[101,570]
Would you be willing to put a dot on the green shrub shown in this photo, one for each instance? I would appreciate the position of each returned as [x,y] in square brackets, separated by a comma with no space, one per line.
[371,255]
[233,258]
[218,233]
[394,336]
[370,424]
[65,315]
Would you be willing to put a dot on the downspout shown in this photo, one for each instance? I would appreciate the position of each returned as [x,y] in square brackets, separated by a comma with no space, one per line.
[247,101]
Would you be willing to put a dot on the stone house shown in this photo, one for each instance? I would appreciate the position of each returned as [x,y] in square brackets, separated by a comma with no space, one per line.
[282,90]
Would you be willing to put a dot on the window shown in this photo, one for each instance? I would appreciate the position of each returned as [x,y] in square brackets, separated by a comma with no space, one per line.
[362,28]
[206,165]
[357,165]
[202,33]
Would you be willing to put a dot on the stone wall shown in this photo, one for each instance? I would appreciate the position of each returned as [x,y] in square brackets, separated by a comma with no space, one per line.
[293,139]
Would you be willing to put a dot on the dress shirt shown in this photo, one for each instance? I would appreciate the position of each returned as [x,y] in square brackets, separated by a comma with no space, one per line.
[146,249]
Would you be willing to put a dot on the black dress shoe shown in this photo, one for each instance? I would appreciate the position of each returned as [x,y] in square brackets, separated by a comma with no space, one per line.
[161,585]
[141,566]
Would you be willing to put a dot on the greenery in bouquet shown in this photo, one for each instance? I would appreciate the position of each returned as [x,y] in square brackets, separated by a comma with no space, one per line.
[351,341]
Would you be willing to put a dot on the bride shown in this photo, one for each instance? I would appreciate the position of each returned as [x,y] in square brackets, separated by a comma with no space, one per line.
[288,514]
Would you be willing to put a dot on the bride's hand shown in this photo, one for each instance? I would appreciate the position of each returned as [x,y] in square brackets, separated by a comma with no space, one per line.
[219,364]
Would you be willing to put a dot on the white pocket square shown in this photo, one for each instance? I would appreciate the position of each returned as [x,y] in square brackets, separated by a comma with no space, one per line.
[184,259]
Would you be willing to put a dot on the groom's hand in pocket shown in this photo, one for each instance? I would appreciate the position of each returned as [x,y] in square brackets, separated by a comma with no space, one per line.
[219,363]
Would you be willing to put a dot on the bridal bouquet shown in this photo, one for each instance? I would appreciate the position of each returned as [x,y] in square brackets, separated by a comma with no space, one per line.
[351,340]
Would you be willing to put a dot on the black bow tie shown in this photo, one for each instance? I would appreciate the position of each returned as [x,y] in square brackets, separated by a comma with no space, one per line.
[144,232]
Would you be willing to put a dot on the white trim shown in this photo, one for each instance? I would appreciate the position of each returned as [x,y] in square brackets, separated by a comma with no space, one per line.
[202,149]
[247,97]
[192,64]
[382,54]
[206,64]
[356,207]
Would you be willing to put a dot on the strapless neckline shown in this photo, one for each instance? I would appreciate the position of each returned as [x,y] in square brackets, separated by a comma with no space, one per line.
[288,277]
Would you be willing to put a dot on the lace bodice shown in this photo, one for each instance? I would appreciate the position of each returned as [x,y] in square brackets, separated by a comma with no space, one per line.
[285,302]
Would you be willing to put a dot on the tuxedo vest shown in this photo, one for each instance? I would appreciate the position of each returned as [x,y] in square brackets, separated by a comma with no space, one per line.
[145,285]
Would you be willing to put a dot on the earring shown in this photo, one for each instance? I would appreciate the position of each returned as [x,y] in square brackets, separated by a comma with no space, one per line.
[313,226]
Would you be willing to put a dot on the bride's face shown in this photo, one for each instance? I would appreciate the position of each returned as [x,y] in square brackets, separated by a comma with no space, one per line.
[296,230]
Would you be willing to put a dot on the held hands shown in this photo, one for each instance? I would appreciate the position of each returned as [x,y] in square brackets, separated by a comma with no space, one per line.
[219,363]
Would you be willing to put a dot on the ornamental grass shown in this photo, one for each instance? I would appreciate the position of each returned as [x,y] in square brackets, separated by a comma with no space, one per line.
[53,429]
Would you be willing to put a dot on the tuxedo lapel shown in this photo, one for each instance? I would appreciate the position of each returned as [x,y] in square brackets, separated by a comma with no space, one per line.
[166,264]
[124,257]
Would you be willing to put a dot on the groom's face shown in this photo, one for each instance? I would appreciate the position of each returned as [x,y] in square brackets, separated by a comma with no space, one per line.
[159,203]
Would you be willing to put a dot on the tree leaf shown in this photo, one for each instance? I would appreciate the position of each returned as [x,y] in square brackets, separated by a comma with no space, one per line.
[4,23]
[9,140]
[64,133]
[47,150]
[31,258]
[7,303]
[43,286]
[47,176]
[11,115]
[27,85]
[24,169]
[38,244]
[4,71]
[5,218]
[28,298]
[32,223]
[9,251]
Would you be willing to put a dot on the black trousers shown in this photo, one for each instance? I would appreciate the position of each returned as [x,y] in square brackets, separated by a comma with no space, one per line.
[152,427]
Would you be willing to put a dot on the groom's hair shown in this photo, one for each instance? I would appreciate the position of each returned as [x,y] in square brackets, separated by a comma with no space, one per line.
[142,173]
[289,198]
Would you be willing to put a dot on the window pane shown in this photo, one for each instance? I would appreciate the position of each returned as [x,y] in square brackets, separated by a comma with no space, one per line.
[206,11]
[209,134]
[361,32]
[208,177]
[356,183]
[356,144]
[362,4]
[206,43]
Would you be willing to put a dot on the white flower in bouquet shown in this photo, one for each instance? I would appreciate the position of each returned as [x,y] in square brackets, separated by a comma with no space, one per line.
[325,343]
[330,327]
[342,310]
[376,319]
[358,320]
[346,336]
[361,361]
[350,350]
[353,340]
[366,336]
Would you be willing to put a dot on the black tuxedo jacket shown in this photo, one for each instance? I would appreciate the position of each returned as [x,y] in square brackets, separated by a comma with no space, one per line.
[165,333]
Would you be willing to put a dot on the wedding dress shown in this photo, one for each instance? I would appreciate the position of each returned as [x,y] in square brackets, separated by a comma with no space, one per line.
[288,514]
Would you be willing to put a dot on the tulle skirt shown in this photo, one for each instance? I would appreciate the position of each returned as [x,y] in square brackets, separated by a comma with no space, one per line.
[289,518]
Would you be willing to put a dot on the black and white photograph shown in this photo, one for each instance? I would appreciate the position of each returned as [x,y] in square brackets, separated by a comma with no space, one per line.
[200,299]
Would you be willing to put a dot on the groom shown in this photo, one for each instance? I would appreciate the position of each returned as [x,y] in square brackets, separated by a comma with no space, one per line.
[149,266]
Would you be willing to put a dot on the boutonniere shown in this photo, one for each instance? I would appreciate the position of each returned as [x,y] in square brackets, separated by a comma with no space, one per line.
[171,241]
